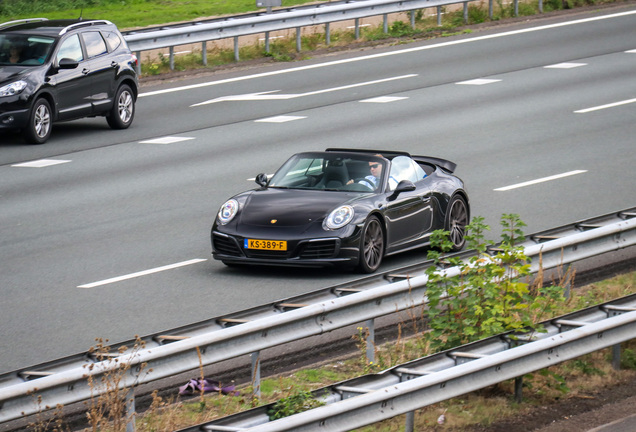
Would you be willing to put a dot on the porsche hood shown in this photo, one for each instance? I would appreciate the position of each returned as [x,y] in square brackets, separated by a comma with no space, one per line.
[289,207]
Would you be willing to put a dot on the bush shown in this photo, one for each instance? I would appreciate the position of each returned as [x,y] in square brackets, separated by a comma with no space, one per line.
[489,296]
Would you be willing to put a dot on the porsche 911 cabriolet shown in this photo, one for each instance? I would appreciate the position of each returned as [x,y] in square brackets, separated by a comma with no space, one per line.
[343,207]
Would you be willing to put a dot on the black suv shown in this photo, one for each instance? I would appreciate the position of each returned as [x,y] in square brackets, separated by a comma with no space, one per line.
[63,70]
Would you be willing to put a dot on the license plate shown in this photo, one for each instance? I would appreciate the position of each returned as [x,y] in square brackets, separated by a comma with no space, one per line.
[276,245]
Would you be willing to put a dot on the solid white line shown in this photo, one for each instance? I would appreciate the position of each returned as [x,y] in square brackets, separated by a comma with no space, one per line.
[379,55]
[141,273]
[541,180]
[600,107]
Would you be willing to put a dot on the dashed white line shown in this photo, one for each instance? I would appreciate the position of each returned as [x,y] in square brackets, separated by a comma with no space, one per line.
[565,65]
[40,163]
[478,81]
[142,273]
[601,107]
[166,140]
[383,99]
[541,180]
[280,119]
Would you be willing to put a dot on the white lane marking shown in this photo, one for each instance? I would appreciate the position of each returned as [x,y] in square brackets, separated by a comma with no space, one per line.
[280,119]
[379,55]
[40,163]
[565,65]
[142,273]
[541,180]
[631,51]
[166,140]
[600,107]
[383,99]
[271,37]
[478,81]
[268,95]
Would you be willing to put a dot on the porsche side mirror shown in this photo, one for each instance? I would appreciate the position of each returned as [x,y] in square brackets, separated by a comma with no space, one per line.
[403,186]
[261,180]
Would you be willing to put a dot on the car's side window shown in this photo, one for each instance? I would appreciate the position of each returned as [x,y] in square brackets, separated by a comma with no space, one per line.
[95,45]
[71,49]
[112,40]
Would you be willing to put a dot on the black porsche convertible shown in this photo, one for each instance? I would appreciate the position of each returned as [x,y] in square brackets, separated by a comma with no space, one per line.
[343,207]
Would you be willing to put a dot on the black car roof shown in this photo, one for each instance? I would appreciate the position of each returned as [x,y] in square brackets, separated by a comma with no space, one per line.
[389,154]
[44,27]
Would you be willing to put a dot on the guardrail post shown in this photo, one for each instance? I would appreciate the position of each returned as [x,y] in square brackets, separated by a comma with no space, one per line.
[130,410]
[204,53]
[267,42]
[409,424]
[540,6]
[327,34]
[490,11]
[519,389]
[236,48]
[298,39]
[385,23]
[465,12]
[516,8]
[413,19]
[171,57]
[616,357]
[256,374]
[370,341]
[357,29]
[439,16]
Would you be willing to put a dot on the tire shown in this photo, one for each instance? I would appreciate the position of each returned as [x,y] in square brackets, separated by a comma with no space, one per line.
[456,220]
[371,246]
[123,111]
[40,125]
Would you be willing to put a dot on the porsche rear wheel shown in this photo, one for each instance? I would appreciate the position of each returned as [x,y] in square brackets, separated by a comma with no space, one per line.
[456,221]
[371,246]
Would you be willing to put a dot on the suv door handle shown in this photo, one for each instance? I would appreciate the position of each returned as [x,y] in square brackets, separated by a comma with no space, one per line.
[114,64]
[85,71]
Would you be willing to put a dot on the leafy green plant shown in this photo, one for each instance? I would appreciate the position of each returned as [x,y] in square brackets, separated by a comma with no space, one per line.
[297,402]
[491,294]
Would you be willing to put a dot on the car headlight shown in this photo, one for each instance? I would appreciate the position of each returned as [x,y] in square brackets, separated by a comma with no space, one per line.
[228,211]
[13,88]
[339,217]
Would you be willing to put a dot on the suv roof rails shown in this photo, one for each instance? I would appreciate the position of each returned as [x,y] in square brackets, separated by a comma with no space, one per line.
[84,24]
[21,21]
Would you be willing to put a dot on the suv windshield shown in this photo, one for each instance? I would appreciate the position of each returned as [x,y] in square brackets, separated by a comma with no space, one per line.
[24,50]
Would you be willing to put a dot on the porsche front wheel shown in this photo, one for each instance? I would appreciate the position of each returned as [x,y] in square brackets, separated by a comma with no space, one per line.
[371,246]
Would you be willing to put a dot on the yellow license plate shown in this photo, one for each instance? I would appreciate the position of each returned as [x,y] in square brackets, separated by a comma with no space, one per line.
[276,245]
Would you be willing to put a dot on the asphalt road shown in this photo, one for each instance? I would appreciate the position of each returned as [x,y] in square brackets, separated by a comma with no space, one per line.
[111,239]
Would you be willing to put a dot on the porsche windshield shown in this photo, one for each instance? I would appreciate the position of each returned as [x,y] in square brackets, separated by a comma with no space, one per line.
[333,172]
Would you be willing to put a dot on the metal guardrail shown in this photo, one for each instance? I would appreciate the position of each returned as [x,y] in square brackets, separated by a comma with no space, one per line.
[296,18]
[404,388]
[184,349]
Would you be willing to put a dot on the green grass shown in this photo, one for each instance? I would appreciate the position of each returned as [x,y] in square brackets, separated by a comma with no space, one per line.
[127,14]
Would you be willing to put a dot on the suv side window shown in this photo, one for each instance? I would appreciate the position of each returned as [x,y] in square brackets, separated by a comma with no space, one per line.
[70,48]
[95,45]
[112,40]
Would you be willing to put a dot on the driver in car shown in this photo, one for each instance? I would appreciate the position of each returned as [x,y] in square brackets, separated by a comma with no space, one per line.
[376,172]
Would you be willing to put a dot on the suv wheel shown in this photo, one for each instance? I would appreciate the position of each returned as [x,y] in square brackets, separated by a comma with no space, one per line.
[123,111]
[39,128]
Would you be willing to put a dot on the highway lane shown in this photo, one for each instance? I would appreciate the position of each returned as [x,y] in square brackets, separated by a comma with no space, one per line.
[120,205]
